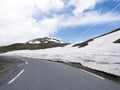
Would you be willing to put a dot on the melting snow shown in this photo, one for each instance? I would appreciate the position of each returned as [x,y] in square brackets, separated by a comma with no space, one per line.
[101,54]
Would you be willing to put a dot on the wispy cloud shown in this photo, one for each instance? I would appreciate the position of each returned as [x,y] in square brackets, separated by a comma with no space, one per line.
[90,18]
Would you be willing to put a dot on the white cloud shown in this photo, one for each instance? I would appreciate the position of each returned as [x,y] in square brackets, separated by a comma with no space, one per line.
[17,22]
[82,5]
[45,5]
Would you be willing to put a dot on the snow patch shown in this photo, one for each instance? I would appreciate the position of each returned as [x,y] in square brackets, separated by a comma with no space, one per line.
[100,54]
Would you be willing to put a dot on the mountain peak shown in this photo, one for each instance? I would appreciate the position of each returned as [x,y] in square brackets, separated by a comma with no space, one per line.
[45,40]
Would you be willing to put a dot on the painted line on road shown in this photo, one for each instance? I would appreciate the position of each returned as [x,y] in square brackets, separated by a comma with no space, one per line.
[11,81]
[93,74]
[26,62]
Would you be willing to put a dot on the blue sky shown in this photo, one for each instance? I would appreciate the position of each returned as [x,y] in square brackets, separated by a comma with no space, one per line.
[68,20]
[78,33]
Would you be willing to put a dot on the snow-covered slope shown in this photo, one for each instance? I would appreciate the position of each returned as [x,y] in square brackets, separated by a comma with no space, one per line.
[104,45]
[44,40]
[101,53]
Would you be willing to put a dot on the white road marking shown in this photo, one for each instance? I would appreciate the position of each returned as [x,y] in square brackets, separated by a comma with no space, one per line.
[16,76]
[93,74]
[26,62]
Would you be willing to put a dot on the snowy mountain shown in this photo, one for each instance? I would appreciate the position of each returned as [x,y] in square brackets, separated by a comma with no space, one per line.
[44,40]
[101,53]
[40,43]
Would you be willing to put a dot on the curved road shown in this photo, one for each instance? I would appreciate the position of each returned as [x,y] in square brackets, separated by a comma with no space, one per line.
[46,75]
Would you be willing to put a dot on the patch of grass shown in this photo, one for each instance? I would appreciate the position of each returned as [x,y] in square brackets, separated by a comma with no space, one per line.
[22,46]
[117,41]
[83,44]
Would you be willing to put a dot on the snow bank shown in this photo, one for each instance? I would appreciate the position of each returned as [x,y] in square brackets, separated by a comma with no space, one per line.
[101,54]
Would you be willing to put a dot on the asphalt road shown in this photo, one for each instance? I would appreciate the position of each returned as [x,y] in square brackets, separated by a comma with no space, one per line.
[46,75]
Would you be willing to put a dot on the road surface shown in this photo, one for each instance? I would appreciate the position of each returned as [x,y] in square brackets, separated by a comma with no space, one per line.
[46,75]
